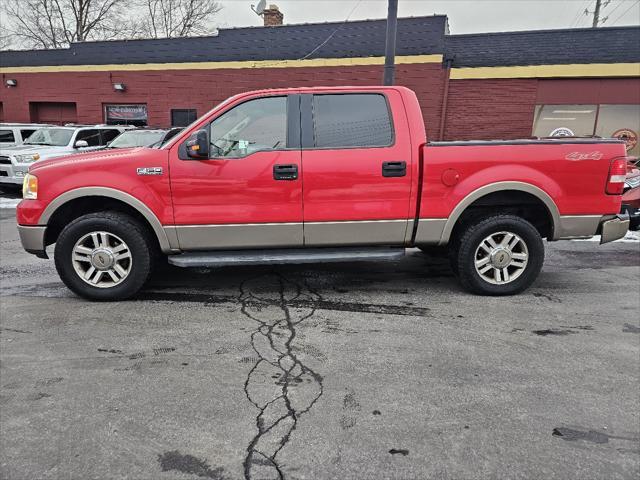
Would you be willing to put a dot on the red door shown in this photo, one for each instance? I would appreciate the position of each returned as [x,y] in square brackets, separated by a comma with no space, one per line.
[356,169]
[248,193]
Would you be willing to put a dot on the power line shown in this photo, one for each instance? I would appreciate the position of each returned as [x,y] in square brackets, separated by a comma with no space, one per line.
[625,12]
[620,3]
[332,33]
[582,11]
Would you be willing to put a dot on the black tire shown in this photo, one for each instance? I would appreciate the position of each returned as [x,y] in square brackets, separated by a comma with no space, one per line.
[141,247]
[464,255]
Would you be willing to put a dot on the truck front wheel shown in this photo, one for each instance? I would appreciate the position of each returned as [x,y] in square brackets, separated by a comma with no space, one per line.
[499,255]
[104,256]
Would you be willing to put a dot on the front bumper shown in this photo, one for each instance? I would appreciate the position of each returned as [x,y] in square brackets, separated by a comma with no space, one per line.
[614,228]
[33,239]
[12,174]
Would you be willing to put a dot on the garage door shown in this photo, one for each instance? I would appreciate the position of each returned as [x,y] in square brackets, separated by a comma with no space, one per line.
[57,113]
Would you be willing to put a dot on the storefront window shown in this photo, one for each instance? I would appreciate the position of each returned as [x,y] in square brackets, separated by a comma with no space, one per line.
[564,120]
[135,114]
[623,122]
[606,121]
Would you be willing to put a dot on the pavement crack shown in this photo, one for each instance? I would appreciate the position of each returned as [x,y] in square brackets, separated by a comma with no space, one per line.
[277,305]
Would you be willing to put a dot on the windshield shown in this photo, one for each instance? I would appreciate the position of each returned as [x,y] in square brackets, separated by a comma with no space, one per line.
[137,138]
[55,137]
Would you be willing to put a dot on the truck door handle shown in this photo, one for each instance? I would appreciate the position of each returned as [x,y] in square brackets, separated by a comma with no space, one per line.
[394,169]
[285,172]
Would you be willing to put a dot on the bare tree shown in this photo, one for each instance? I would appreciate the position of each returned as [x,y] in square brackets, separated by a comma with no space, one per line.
[5,41]
[178,18]
[57,23]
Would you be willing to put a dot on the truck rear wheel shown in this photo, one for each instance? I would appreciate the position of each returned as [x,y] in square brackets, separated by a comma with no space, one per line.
[104,256]
[499,255]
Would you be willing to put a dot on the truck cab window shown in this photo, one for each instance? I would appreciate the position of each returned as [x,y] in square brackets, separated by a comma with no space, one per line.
[7,136]
[109,135]
[92,137]
[26,133]
[352,120]
[253,126]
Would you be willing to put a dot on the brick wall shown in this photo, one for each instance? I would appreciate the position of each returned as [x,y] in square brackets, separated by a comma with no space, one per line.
[202,89]
[490,109]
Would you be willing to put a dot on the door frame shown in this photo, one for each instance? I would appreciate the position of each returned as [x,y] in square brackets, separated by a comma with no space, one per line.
[350,232]
[246,235]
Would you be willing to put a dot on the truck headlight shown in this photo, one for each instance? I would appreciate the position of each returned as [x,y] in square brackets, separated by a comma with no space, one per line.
[30,158]
[30,187]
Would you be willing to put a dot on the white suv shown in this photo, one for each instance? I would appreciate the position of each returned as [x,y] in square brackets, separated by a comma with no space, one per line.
[12,134]
[51,142]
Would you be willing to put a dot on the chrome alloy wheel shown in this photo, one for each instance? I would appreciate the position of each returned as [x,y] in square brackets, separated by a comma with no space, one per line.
[501,258]
[102,259]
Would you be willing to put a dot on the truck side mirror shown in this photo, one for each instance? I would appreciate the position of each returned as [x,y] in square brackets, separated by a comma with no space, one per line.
[197,145]
[80,144]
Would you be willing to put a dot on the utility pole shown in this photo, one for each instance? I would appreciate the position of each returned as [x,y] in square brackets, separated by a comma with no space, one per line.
[596,14]
[390,51]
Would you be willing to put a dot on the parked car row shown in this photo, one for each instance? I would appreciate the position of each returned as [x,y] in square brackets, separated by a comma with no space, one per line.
[24,144]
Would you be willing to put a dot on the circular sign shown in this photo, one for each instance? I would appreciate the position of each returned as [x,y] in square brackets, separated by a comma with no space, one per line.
[628,136]
[562,132]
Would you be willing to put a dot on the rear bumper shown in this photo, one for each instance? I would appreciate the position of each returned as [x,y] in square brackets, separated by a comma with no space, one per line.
[32,239]
[614,228]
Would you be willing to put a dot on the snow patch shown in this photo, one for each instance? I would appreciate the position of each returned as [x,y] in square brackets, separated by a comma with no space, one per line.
[630,237]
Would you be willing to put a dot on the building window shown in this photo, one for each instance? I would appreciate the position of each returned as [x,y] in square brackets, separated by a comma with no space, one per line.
[135,114]
[606,121]
[620,121]
[181,117]
[565,120]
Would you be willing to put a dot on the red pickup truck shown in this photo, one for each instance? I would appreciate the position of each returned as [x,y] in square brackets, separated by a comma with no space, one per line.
[313,175]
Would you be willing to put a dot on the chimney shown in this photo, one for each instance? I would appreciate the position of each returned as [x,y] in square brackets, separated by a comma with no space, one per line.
[272,16]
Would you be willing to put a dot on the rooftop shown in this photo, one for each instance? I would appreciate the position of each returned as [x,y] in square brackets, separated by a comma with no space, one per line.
[364,38]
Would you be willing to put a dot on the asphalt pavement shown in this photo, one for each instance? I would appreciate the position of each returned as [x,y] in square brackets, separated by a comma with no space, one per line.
[395,372]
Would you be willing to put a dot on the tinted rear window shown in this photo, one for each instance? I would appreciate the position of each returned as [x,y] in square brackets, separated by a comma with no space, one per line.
[7,136]
[352,120]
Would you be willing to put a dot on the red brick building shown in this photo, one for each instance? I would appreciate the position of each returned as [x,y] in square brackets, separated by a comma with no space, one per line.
[498,85]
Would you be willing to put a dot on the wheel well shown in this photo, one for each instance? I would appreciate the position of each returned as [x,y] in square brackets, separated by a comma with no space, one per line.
[78,207]
[512,202]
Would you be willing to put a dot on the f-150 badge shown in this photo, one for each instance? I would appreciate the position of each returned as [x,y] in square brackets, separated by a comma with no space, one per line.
[150,171]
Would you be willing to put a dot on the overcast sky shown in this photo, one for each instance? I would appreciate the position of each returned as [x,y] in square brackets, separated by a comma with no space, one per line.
[465,16]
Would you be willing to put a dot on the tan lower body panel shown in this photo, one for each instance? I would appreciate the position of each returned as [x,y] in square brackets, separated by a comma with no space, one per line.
[291,235]
[239,236]
[576,226]
[318,234]
[430,231]
[374,232]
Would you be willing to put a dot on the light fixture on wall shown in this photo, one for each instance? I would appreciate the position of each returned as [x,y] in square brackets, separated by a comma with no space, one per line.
[119,87]
[11,82]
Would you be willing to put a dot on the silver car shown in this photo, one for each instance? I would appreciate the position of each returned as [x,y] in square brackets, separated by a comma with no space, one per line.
[51,142]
